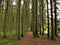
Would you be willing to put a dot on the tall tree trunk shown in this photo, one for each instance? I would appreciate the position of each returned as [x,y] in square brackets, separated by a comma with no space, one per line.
[42,18]
[32,25]
[12,20]
[22,20]
[18,19]
[35,9]
[40,14]
[55,17]
[52,28]
[5,18]
[48,19]
[0,12]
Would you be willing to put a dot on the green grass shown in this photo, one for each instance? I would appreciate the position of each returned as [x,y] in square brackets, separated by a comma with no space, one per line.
[11,38]
[8,42]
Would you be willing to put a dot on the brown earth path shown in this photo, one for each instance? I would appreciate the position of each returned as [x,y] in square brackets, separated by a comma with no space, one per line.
[42,40]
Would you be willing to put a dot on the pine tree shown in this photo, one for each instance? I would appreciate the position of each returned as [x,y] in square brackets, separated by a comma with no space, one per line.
[22,20]
[18,18]
[48,18]
[55,17]
[52,27]
[42,17]
[5,18]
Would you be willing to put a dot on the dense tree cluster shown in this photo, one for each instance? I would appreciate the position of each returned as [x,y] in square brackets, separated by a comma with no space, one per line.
[29,15]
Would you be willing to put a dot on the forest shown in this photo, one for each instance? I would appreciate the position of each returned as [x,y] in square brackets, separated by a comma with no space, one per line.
[29,22]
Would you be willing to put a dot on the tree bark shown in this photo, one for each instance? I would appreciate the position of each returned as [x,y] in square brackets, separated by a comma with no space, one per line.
[48,19]
[52,28]
[18,19]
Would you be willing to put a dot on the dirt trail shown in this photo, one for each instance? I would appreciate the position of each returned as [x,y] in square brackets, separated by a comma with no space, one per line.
[42,40]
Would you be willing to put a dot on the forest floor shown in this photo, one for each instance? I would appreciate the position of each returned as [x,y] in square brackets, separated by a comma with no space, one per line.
[42,40]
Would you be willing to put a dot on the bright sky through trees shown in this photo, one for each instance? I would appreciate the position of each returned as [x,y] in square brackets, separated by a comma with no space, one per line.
[14,2]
